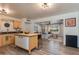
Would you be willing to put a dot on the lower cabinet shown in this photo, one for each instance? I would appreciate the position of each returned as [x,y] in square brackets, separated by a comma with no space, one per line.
[11,40]
[1,40]
[6,40]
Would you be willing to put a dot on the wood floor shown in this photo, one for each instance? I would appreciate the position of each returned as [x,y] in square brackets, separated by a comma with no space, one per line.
[48,47]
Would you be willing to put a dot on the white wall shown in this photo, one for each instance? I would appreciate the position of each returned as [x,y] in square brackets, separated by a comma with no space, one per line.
[4,29]
[54,19]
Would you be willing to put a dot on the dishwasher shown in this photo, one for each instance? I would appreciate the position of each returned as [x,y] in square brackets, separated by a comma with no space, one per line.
[22,42]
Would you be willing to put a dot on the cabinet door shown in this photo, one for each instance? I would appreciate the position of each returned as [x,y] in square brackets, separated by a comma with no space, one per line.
[0,23]
[5,40]
[16,24]
[1,40]
[33,42]
[17,41]
[11,39]
[25,42]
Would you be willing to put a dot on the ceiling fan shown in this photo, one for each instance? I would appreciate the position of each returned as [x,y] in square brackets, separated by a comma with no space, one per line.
[3,12]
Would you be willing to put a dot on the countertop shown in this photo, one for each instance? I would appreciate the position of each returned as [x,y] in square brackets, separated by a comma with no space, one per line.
[19,33]
[30,34]
[11,32]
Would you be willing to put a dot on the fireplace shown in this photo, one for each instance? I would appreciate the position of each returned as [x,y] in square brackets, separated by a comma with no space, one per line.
[71,40]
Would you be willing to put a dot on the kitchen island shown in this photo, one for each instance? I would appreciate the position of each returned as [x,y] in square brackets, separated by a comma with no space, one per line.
[27,41]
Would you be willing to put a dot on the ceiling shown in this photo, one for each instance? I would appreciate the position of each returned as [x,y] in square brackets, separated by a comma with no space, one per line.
[34,11]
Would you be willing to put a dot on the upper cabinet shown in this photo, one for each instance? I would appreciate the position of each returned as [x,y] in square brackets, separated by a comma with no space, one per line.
[0,23]
[16,24]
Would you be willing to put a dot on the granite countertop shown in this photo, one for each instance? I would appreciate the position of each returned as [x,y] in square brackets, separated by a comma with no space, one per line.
[11,32]
[19,33]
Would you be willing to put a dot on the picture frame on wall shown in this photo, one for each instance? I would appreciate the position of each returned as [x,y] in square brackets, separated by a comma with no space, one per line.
[70,22]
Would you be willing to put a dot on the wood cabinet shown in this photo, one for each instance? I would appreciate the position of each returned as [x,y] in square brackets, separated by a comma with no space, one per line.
[6,40]
[16,24]
[11,40]
[0,23]
[1,40]
[33,42]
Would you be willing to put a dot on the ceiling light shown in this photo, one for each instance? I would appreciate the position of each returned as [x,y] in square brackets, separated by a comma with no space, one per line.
[45,5]
[3,12]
